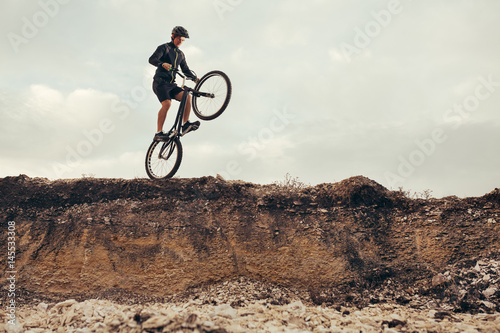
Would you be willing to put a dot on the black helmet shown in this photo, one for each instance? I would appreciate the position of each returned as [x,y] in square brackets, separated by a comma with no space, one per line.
[180,31]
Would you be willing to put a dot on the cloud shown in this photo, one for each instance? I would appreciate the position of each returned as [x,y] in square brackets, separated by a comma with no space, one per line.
[51,123]
[193,53]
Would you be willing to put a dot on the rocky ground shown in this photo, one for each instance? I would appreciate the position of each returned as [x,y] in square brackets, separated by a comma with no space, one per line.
[464,298]
[250,306]
[105,316]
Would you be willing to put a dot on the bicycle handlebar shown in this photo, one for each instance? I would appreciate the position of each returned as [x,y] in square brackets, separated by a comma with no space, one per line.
[181,75]
[196,92]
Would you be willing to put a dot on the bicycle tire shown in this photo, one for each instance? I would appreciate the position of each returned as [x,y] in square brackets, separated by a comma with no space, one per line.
[166,166]
[217,83]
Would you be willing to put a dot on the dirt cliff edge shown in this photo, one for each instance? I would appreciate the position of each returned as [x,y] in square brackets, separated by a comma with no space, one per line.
[103,236]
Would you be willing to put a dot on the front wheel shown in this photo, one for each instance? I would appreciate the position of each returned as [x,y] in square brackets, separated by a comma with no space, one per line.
[163,159]
[214,94]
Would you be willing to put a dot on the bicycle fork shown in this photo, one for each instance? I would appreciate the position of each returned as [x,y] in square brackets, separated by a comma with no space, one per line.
[169,145]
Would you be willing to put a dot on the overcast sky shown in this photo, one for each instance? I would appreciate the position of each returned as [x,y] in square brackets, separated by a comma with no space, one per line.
[406,93]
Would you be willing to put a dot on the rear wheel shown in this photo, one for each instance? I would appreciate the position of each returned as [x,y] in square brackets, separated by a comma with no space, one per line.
[217,85]
[163,159]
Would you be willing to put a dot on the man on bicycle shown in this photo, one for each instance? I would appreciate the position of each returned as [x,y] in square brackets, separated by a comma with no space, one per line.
[166,57]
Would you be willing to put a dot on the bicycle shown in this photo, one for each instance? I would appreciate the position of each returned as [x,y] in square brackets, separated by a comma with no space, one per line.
[211,96]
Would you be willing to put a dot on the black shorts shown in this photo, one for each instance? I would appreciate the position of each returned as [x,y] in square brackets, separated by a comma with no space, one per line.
[165,90]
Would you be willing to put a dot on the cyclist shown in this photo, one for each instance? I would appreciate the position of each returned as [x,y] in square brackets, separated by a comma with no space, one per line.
[166,57]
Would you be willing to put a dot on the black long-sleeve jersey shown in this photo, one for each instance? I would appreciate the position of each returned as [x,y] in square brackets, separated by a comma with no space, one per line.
[171,54]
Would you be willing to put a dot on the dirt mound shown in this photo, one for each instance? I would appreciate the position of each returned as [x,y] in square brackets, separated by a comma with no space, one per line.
[117,239]
[493,196]
[354,192]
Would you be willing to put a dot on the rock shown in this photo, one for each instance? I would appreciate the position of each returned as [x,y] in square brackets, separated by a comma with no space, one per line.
[16,328]
[489,305]
[439,280]
[296,307]
[69,302]
[191,321]
[490,292]
[225,311]
[42,306]
[157,322]
[68,317]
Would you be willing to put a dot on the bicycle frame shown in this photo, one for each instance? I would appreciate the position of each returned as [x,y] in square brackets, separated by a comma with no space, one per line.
[176,128]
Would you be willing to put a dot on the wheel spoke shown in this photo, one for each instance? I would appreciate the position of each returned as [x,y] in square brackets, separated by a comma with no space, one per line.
[215,83]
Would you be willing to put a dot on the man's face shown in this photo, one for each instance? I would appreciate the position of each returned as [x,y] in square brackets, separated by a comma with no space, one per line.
[179,40]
